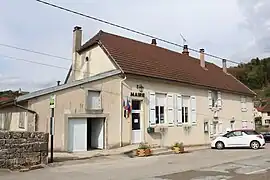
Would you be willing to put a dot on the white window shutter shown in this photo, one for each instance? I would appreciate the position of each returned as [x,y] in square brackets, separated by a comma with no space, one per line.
[179,109]
[170,109]
[220,128]
[210,99]
[193,109]
[219,101]
[211,129]
[152,108]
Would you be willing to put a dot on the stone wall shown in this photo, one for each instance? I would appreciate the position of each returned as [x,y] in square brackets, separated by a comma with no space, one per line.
[23,149]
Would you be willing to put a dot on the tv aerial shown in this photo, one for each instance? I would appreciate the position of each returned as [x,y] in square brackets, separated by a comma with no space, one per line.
[184,40]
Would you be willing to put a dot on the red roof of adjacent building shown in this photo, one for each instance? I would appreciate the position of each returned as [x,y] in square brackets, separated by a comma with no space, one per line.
[135,57]
[265,108]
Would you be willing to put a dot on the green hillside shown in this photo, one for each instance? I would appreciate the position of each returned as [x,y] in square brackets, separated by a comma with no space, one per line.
[256,75]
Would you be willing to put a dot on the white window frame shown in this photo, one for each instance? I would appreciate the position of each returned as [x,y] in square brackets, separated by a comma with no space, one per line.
[243,103]
[246,124]
[158,107]
[184,121]
[22,119]
[89,106]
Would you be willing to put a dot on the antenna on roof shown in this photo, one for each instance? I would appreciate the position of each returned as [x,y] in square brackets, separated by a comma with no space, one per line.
[184,40]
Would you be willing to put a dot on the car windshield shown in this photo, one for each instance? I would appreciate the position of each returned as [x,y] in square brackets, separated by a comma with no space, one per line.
[251,132]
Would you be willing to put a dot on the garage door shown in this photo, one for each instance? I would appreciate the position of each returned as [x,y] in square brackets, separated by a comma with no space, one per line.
[77,140]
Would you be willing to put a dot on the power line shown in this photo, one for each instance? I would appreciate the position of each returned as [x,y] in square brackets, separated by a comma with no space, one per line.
[128,29]
[33,62]
[39,63]
[36,52]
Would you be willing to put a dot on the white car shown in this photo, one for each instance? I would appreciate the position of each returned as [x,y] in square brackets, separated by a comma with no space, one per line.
[239,138]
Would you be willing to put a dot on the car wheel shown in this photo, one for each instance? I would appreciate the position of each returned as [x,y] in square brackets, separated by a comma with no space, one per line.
[255,145]
[219,145]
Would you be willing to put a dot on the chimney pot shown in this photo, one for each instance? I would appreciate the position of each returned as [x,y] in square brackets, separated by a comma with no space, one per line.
[77,28]
[224,65]
[202,60]
[58,83]
[154,42]
[185,50]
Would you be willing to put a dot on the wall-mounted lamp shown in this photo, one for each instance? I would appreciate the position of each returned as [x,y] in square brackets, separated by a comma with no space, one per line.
[140,87]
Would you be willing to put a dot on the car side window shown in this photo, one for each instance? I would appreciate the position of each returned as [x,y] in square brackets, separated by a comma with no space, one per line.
[230,134]
[234,134]
[238,133]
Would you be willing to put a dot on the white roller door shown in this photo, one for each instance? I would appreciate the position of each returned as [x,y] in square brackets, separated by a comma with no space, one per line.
[77,135]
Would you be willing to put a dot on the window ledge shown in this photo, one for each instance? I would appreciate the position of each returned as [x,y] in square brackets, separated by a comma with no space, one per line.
[94,111]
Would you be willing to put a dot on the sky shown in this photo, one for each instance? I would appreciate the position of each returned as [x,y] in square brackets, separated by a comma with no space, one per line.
[236,30]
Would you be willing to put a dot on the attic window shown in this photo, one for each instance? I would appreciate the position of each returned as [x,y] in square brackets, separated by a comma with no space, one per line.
[86,59]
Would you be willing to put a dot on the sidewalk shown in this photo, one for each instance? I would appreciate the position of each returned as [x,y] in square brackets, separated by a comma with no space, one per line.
[64,156]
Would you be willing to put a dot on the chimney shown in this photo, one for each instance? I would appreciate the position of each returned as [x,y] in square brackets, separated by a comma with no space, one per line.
[77,41]
[224,65]
[154,42]
[185,50]
[58,83]
[202,60]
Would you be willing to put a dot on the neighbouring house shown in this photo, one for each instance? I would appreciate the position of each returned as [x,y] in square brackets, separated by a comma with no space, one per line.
[264,113]
[121,91]
[13,111]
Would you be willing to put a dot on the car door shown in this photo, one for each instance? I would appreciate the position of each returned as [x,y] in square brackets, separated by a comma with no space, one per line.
[235,139]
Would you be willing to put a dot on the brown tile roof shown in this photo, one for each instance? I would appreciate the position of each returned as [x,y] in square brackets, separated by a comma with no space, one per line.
[265,108]
[135,57]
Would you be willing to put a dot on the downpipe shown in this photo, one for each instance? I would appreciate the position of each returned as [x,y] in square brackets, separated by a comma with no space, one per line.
[121,109]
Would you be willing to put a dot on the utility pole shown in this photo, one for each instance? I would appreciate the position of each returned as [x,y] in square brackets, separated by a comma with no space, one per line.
[52,107]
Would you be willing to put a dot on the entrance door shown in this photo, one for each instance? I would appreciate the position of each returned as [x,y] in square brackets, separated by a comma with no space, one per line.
[136,121]
[97,132]
[77,131]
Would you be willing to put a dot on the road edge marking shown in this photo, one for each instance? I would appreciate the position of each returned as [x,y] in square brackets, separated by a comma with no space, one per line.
[253,172]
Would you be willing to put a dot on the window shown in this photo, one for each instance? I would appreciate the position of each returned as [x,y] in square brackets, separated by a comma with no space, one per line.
[268,113]
[233,134]
[1,121]
[214,96]
[185,109]
[159,108]
[232,125]
[22,120]
[267,121]
[243,104]
[250,132]
[93,100]
[244,124]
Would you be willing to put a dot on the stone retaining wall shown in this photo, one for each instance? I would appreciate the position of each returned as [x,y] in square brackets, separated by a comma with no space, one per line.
[23,149]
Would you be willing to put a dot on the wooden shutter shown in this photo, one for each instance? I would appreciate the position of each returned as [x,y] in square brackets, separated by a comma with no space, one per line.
[193,109]
[210,99]
[170,109]
[152,108]
[179,109]
[219,100]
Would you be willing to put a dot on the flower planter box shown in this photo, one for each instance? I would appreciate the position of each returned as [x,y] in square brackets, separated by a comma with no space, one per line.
[144,152]
[178,150]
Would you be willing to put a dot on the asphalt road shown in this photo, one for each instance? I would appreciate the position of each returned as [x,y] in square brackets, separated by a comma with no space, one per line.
[233,164]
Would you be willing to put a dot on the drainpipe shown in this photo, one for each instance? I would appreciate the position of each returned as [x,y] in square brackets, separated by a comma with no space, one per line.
[121,108]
